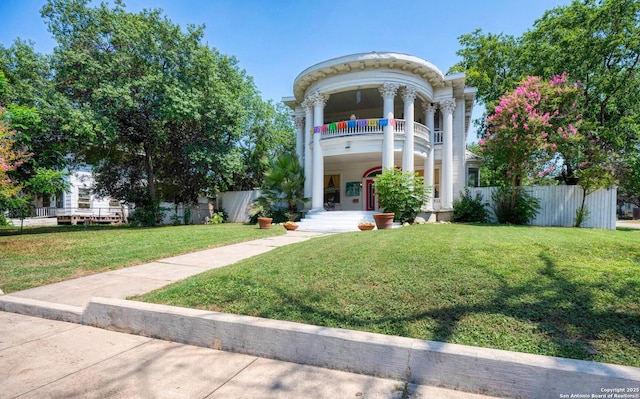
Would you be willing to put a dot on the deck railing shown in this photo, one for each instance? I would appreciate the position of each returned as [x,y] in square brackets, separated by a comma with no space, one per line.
[437,136]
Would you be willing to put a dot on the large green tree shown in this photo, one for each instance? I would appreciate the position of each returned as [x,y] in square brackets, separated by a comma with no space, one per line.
[269,133]
[25,93]
[596,43]
[157,112]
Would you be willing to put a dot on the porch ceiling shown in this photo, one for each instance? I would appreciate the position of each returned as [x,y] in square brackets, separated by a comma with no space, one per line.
[351,101]
[346,160]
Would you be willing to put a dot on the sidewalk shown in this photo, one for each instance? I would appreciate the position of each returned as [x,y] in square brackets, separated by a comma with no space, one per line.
[56,359]
[51,359]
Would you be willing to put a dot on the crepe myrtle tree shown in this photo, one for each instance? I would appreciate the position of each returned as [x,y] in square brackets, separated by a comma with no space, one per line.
[10,159]
[537,132]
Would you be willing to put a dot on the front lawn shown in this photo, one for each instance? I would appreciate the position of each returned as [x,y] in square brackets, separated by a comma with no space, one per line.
[46,255]
[553,291]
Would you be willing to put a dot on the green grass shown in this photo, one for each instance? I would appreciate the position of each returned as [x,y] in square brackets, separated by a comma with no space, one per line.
[571,293]
[47,255]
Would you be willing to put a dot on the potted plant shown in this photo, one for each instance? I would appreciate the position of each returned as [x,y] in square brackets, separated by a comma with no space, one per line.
[262,212]
[290,225]
[265,223]
[401,195]
[366,225]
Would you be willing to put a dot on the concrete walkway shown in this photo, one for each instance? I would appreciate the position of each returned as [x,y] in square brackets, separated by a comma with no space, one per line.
[144,278]
[56,359]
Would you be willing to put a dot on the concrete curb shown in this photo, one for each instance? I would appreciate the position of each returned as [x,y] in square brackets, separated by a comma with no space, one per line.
[470,369]
[45,310]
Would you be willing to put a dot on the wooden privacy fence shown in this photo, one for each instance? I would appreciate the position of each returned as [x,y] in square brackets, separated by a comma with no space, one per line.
[558,205]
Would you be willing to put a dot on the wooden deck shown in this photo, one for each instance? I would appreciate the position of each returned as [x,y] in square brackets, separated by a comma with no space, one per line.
[90,219]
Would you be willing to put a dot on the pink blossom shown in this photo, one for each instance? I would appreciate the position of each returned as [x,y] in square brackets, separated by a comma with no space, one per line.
[583,164]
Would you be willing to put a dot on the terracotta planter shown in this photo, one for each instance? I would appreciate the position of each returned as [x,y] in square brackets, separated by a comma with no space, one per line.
[291,227]
[265,223]
[366,227]
[383,220]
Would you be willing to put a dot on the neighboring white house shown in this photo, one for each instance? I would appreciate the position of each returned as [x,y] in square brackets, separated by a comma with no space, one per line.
[360,114]
[80,203]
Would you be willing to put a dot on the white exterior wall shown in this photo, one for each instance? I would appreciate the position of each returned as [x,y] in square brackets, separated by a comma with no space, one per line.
[99,206]
[352,173]
[459,149]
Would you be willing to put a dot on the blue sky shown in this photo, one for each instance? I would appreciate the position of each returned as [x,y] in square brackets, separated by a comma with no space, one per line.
[275,40]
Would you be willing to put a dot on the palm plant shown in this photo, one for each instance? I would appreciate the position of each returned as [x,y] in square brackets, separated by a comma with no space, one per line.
[283,189]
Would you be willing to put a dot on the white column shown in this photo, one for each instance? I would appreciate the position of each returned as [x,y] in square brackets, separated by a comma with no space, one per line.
[388,91]
[446,192]
[299,121]
[429,180]
[317,188]
[409,95]
[307,105]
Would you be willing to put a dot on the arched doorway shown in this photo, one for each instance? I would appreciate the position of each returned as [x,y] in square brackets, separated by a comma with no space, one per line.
[371,202]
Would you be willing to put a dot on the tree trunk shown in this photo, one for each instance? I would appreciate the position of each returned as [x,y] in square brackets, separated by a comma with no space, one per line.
[151,184]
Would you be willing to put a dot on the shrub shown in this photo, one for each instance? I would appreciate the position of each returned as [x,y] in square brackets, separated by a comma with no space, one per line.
[3,220]
[218,217]
[148,214]
[402,193]
[468,209]
[513,205]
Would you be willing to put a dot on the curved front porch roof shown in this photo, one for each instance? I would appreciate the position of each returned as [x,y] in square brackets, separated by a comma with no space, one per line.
[332,76]
[363,61]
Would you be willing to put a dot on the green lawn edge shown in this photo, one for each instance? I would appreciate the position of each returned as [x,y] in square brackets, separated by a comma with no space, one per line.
[564,292]
[43,256]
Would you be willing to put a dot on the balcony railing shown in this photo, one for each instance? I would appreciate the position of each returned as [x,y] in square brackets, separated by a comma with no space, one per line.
[372,126]
[437,136]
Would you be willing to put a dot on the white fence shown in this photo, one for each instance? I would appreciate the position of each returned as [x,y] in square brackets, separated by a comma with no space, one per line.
[558,205]
[237,204]
[190,214]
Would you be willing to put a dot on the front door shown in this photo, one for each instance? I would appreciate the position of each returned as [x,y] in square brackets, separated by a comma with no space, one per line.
[371,195]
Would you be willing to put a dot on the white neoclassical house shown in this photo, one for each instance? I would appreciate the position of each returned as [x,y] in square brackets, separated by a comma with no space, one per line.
[360,114]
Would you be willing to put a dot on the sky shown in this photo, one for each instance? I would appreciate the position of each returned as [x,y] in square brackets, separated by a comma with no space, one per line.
[275,40]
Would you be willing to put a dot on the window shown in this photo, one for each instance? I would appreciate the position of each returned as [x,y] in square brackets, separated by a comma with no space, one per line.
[473,177]
[60,200]
[331,190]
[114,203]
[436,183]
[84,198]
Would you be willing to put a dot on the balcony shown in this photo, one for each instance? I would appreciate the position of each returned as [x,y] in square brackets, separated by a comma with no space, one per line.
[375,126]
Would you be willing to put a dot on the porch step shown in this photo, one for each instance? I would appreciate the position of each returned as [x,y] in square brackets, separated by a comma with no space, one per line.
[334,221]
